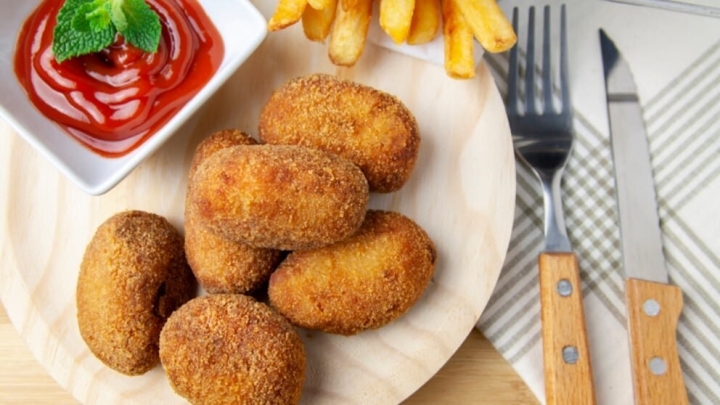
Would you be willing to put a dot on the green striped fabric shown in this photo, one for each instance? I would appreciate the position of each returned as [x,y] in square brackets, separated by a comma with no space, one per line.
[675,59]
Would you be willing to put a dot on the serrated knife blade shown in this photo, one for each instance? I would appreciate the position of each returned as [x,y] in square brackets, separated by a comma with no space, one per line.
[653,305]
[639,222]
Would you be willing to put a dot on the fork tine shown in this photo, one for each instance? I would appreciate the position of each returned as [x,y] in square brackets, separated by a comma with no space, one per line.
[512,93]
[547,85]
[530,65]
[564,79]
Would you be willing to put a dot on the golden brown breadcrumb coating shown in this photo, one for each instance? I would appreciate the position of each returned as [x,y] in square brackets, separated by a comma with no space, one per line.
[362,282]
[132,277]
[217,141]
[222,265]
[372,129]
[225,266]
[231,349]
[279,197]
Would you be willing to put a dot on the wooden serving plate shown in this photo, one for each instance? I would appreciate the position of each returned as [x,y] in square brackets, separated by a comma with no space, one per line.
[462,193]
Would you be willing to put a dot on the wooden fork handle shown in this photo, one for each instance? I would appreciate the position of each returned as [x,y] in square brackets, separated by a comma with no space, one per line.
[653,313]
[568,375]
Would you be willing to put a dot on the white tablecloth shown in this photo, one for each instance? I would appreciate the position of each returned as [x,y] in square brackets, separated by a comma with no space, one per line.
[675,59]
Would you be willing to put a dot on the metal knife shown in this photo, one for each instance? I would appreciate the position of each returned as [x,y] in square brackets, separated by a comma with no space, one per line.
[653,305]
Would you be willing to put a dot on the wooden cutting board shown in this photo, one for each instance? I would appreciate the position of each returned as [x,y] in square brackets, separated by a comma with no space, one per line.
[462,193]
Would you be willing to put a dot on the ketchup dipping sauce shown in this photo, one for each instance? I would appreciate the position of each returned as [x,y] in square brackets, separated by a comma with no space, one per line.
[114,100]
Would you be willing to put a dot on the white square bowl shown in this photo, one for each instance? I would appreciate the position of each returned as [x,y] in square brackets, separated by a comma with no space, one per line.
[242,28]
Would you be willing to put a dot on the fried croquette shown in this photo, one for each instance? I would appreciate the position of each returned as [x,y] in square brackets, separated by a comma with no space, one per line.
[279,197]
[132,277]
[217,141]
[363,282]
[222,265]
[372,129]
[231,349]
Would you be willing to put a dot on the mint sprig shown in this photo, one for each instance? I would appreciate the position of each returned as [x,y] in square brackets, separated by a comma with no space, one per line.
[88,26]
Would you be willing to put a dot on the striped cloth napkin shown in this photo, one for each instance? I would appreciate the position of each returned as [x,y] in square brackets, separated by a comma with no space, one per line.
[675,59]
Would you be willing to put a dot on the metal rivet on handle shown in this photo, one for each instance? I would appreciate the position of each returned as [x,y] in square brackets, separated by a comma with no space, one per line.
[564,288]
[570,354]
[657,366]
[651,307]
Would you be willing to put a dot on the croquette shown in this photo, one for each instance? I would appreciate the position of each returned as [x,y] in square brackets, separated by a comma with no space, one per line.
[279,197]
[217,141]
[231,349]
[363,282]
[371,128]
[222,265]
[132,277]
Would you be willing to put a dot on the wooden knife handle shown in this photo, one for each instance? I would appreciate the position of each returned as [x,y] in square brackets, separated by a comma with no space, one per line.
[653,313]
[568,375]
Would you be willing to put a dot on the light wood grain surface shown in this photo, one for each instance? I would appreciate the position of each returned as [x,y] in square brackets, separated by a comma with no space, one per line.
[563,327]
[476,374]
[653,313]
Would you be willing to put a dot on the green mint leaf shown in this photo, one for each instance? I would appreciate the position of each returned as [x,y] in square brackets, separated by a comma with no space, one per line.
[137,22]
[92,16]
[69,42]
[118,15]
[88,26]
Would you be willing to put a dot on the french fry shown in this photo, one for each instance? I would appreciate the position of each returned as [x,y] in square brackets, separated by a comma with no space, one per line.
[317,23]
[425,22]
[320,5]
[346,22]
[488,23]
[348,4]
[287,13]
[458,40]
[396,18]
[347,37]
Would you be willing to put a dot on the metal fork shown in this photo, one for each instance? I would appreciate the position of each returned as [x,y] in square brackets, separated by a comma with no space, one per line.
[543,140]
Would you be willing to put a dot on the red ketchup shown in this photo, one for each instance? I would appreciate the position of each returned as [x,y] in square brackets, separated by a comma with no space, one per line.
[114,100]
